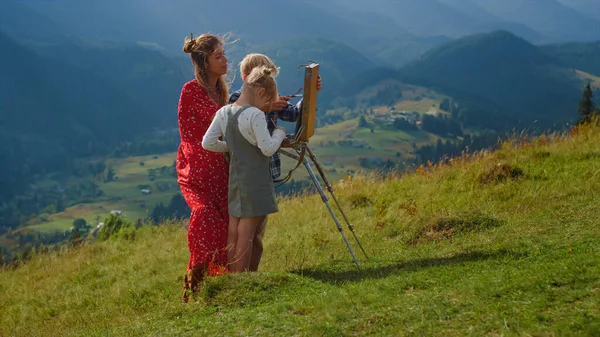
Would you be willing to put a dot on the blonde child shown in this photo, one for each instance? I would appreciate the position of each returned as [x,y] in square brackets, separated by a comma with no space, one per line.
[251,195]
[277,109]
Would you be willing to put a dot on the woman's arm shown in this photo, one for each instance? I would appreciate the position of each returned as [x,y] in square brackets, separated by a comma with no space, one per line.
[290,113]
[194,112]
[186,114]
[266,143]
[211,141]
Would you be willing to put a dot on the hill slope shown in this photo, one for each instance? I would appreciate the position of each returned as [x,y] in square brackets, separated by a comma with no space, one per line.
[588,7]
[133,21]
[549,17]
[500,71]
[18,19]
[152,79]
[50,110]
[337,60]
[423,17]
[484,21]
[582,56]
[474,248]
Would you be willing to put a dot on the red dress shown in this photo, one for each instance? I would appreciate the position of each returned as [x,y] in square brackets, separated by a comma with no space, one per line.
[203,178]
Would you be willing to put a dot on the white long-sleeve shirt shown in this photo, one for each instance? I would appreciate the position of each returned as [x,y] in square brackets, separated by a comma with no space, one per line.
[253,127]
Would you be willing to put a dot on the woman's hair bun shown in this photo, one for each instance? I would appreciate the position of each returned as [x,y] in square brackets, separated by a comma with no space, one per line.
[189,45]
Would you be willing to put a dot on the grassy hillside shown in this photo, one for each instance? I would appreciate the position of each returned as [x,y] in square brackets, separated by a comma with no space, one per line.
[122,194]
[592,79]
[501,244]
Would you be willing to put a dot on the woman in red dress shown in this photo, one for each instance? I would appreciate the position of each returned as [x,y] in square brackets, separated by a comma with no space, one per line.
[203,175]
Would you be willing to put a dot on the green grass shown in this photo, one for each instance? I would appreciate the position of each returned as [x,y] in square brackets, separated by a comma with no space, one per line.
[414,98]
[382,138]
[53,225]
[131,165]
[334,132]
[467,249]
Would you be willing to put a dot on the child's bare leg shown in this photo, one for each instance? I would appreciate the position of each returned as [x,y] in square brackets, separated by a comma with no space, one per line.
[243,248]
[232,236]
[257,245]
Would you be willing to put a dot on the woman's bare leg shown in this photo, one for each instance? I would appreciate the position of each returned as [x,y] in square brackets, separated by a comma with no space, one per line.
[243,248]
[232,237]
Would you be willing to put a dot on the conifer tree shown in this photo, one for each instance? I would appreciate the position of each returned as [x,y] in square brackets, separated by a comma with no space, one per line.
[362,122]
[586,105]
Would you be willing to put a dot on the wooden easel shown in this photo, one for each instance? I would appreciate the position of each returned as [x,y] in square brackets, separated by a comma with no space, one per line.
[305,128]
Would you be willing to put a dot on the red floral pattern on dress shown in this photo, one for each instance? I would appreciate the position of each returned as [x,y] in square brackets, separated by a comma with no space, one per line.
[203,177]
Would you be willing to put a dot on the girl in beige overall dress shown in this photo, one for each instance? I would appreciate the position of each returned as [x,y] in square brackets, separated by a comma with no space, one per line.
[251,192]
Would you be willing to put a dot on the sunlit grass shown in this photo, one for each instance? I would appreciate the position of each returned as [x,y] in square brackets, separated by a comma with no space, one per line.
[468,249]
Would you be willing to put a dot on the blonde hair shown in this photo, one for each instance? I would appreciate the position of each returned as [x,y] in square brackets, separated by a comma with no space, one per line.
[262,77]
[200,48]
[254,60]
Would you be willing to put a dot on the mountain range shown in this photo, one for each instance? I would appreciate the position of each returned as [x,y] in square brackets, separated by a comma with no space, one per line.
[538,21]
[550,17]
[51,110]
[78,77]
[588,7]
[395,31]
[578,55]
[500,71]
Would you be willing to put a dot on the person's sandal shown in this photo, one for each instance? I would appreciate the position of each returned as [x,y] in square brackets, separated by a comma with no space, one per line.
[191,282]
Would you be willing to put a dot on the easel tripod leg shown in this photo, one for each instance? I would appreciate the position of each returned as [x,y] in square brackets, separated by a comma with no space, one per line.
[330,189]
[325,200]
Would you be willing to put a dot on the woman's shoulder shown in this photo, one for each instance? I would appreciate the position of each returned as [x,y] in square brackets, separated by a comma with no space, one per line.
[191,85]
[195,87]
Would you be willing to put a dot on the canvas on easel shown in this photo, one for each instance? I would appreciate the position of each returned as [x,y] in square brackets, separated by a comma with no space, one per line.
[305,125]
[309,101]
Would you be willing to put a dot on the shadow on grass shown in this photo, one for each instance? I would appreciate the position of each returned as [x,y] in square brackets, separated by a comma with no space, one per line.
[377,270]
